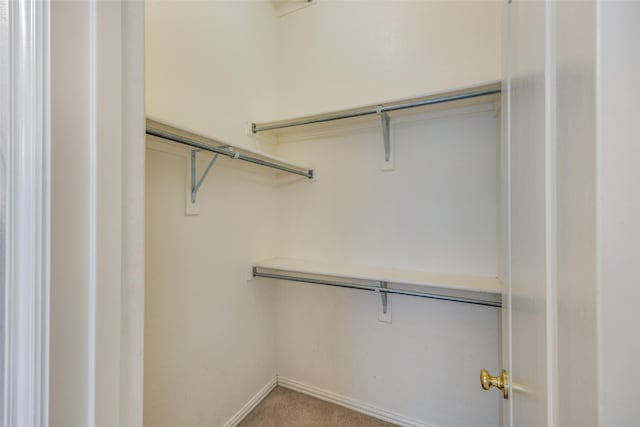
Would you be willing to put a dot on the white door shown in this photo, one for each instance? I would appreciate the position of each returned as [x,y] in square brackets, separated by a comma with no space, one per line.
[570,127]
[527,333]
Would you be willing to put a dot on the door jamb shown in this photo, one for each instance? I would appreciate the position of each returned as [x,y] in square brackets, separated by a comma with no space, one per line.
[25,152]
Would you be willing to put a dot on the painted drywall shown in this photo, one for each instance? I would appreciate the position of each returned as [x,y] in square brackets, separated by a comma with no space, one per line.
[618,211]
[341,54]
[209,334]
[435,212]
[211,66]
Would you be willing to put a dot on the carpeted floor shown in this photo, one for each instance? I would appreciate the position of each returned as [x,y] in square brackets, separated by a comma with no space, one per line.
[288,408]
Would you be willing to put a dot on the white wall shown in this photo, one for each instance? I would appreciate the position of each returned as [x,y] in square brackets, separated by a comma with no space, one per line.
[435,212]
[209,335]
[211,65]
[341,54]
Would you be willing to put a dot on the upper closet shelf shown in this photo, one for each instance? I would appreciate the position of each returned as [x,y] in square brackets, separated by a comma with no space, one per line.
[450,287]
[201,142]
[383,110]
[384,107]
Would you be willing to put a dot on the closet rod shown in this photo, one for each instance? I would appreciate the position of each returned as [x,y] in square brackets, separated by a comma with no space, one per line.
[225,152]
[256,273]
[383,108]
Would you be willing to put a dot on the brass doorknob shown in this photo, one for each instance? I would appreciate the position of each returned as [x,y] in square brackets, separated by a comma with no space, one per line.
[501,382]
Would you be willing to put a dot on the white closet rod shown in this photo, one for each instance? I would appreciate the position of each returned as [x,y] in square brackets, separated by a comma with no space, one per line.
[202,143]
[381,108]
[381,288]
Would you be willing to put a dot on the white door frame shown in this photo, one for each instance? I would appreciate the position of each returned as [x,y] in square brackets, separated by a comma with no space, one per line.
[24,139]
[97,214]
[95,368]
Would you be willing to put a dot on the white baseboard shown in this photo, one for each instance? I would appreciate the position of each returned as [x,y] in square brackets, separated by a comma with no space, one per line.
[350,403]
[251,404]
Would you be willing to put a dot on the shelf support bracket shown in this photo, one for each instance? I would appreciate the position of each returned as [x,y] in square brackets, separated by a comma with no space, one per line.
[383,296]
[195,186]
[384,119]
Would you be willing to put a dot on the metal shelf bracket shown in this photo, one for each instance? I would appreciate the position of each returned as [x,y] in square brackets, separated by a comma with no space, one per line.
[383,295]
[384,119]
[195,186]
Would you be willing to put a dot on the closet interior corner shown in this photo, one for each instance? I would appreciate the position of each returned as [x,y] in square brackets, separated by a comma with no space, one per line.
[324,209]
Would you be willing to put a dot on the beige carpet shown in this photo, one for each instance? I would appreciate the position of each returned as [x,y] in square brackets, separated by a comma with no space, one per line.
[287,408]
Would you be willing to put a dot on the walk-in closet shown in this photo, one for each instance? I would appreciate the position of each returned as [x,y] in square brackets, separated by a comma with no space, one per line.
[325,215]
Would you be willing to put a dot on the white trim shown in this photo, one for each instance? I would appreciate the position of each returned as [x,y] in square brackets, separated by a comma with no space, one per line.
[507,302]
[600,200]
[133,205]
[26,138]
[251,404]
[92,218]
[352,404]
[550,213]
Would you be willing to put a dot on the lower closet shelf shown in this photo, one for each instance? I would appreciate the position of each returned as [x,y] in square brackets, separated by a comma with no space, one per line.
[450,287]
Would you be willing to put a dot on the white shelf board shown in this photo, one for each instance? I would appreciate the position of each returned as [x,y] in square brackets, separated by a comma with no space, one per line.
[441,281]
[215,142]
